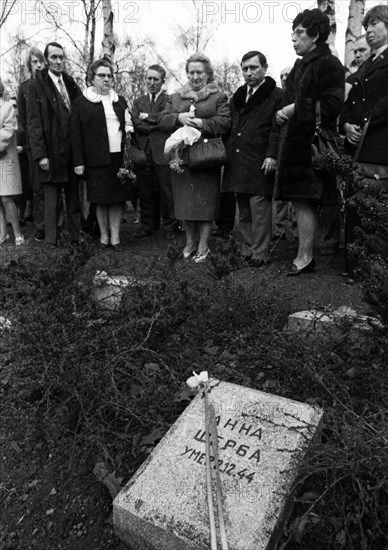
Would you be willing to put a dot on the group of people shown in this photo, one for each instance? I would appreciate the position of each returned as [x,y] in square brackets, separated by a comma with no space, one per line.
[267,132]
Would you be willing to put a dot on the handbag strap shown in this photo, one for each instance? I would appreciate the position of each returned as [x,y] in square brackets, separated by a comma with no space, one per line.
[318,116]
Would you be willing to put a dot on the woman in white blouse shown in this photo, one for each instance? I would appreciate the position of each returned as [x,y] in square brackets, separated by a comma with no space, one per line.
[100,122]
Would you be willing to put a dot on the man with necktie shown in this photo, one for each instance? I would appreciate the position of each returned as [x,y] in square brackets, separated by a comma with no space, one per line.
[154,180]
[49,100]
[251,156]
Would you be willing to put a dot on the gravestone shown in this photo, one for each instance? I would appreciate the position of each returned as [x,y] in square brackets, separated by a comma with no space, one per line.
[261,438]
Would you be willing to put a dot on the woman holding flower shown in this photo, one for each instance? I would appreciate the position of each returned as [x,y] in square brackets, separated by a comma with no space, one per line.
[200,105]
[100,122]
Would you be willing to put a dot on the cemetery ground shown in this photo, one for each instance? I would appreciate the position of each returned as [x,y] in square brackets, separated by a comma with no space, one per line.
[86,393]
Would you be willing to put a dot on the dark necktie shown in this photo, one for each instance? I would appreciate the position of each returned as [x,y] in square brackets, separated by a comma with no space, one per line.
[152,101]
[250,92]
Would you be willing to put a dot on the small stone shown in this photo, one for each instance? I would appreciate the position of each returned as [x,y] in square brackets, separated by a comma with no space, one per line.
[53,492]
[50,512]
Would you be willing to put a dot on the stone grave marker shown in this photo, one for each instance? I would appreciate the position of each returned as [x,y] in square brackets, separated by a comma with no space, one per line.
[261,438]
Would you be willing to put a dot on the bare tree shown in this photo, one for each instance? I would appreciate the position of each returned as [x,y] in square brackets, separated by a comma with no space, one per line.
[84,50]
[6,10]
[354,28]
[108,42]
[328,7]
[196,35]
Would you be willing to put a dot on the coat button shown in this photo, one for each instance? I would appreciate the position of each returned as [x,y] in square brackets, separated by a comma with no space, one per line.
[237,150]
[239,134]
[363,99]
[366,80]
[353,102]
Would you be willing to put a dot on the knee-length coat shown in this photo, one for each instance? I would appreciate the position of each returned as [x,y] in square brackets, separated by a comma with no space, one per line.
[196,192]
[318,75]
[10,178]
[368,100]
[253,137]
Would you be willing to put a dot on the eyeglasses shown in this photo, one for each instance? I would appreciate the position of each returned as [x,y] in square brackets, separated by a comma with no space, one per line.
[298,32]
[104,75]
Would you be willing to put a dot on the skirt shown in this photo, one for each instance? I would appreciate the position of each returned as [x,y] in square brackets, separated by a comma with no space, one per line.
[196,194]
[102,184]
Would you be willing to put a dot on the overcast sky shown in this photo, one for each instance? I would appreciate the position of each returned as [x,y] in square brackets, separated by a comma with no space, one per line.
[240,26]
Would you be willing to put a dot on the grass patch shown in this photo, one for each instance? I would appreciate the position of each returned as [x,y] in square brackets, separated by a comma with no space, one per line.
[88,385]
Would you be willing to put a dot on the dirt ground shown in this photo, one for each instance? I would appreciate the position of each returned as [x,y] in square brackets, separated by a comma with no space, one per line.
[42,505]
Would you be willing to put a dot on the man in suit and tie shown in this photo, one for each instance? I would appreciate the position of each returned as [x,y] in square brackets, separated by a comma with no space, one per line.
[364,118]
[49,100]
[251,155]
[154,180]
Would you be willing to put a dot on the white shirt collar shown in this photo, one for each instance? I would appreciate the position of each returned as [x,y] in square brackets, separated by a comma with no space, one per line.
[55,78]
[156,95]
[254,88]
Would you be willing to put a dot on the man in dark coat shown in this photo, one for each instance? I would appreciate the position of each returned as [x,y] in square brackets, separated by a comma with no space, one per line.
[49,100]
[154,180]
[35,62]
[251,155]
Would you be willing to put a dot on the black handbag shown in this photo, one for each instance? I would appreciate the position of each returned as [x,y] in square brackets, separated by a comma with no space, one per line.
[325,140]
[206,153]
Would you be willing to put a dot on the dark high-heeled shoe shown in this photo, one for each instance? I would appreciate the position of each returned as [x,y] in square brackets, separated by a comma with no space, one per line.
[294,270]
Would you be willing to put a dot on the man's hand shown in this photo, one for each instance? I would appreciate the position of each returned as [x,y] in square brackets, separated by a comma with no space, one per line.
[79,170]
[143,116]
[269,165]
[44,164]
[19,149]
[353,133]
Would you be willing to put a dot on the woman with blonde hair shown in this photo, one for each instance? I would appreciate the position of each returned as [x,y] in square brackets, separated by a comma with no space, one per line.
[200,105]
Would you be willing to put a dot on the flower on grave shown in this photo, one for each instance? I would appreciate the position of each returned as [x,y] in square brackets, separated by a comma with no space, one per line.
[198,379]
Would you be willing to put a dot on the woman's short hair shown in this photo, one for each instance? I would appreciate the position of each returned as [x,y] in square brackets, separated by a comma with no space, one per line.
[378,13]
[315,22]
[199,58]
[37,53]
[95,66]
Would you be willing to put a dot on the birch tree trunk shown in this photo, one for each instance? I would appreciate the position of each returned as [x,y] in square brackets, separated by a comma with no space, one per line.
[354,29]
[328,7]
[108,42]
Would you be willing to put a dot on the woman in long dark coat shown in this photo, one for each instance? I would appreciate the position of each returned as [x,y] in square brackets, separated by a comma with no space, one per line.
[100,120]
[319,75]
[196,192]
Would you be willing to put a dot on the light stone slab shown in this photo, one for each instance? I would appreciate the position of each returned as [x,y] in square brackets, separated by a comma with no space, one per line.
[315,323]
[108,290]
[262,439]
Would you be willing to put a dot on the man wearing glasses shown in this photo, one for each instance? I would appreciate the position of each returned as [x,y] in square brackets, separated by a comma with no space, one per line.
[49,100]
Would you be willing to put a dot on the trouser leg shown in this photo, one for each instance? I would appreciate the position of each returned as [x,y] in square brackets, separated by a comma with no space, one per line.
[227,212]
[281,221]
[261,215]
[51,197]
[163,178]
[73,207]
[37,194]
[245,222]
[149,201]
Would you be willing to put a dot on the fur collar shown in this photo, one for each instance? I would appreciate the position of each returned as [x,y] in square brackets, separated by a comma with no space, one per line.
[187,93]
[93,96]
[261,94]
